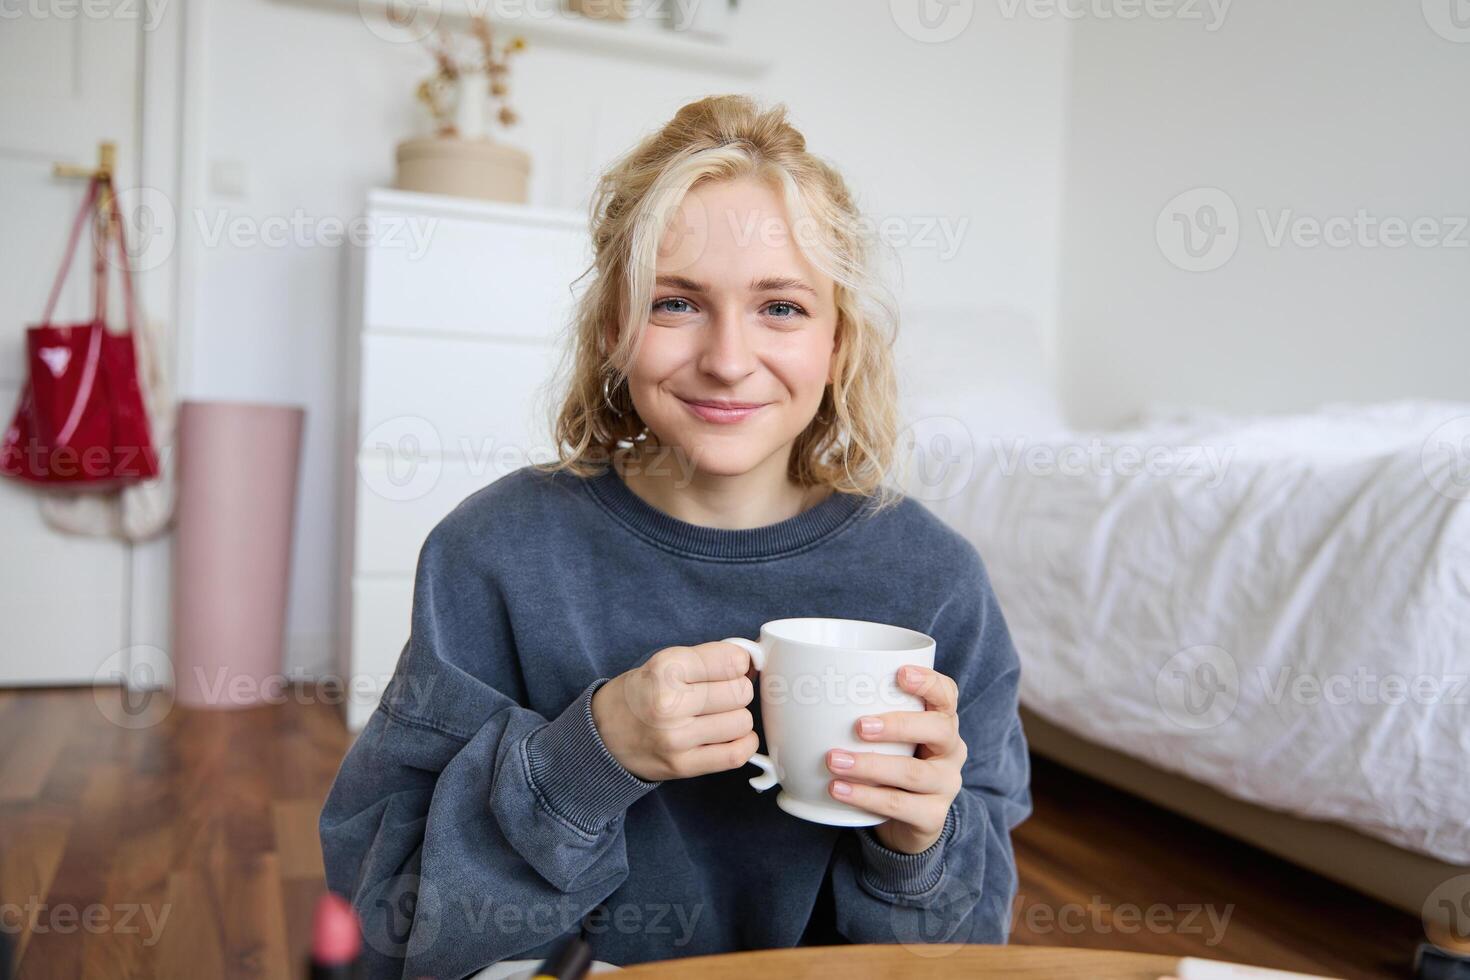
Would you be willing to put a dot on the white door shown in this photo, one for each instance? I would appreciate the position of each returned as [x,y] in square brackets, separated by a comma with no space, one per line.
[68,79]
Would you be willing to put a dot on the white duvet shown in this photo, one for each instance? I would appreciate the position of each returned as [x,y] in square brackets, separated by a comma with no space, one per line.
[1277,607]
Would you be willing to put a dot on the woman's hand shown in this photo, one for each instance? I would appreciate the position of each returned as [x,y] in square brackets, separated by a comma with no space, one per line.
[913,793]
[682,713]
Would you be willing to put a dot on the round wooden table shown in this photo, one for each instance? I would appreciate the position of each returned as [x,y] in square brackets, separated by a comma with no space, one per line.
[936,962]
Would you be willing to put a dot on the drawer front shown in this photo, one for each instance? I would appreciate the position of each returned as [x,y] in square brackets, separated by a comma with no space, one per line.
[381,611]
[477,277]
[454,396]
[399,502]
[380,622]
[440,418]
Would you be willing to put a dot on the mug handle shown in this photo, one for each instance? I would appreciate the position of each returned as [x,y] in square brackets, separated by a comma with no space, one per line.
[767,778]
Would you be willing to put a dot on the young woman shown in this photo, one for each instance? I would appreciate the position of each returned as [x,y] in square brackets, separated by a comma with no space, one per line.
[564,742]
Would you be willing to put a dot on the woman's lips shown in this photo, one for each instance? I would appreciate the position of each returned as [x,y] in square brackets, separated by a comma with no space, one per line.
[722,413]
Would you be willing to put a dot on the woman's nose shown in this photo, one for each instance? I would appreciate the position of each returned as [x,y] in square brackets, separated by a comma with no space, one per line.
[727,353]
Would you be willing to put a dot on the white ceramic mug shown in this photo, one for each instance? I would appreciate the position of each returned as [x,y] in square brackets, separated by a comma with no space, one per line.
[817,678]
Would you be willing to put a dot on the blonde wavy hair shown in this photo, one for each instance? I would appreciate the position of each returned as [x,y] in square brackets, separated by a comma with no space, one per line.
[850,443]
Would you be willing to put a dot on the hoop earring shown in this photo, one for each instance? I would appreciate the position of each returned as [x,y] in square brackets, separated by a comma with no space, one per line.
[617,412]
[826,419]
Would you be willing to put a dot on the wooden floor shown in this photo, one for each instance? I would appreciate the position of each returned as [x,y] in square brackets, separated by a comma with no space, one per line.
[187,847]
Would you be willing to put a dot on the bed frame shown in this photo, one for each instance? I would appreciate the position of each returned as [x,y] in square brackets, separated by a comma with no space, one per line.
[1404,879]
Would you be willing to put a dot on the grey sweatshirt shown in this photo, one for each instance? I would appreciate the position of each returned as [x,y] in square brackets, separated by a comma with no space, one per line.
[480,817]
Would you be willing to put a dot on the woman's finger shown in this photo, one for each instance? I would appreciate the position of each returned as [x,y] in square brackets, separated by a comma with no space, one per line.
[940,732]
[719,757]
[717,697]
[940,693]
[713,729]
[715,661]
[923,812]
[899,771]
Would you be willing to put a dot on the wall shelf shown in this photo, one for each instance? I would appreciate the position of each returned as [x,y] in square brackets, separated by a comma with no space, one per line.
[543,24]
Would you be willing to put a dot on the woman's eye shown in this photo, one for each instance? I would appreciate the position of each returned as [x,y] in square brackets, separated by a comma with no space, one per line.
[671,305]
[783,310]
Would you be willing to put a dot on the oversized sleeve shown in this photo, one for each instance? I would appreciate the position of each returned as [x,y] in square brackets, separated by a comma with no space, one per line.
[464,827]
[959,890]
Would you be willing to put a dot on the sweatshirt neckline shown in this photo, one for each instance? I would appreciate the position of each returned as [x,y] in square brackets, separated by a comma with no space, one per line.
[732,544]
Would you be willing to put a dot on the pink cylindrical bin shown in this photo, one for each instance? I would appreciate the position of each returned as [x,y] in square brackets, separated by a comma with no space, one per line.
[237,472]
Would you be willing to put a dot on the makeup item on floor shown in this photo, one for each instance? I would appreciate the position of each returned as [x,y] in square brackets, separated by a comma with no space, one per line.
[1193,969]
[570,962]
[336,939]
[817,678]
[1432,962]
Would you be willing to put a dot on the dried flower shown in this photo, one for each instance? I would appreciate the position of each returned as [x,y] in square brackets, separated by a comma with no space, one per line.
[450,65]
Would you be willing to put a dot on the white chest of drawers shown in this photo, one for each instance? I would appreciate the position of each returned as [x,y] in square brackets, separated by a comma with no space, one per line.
[457,312]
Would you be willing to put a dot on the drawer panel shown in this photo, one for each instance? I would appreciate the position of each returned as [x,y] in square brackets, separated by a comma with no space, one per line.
[487,278]
[399,501]
[454,396]
[381,610]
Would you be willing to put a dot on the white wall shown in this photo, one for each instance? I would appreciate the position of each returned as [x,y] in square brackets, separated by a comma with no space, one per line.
[302,106]
[1314,108]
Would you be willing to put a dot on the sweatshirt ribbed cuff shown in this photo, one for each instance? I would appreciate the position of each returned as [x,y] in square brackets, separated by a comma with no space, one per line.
[898,873]
[573,772]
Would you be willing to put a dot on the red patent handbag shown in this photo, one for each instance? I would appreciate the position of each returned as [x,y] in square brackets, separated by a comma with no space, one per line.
[80,419]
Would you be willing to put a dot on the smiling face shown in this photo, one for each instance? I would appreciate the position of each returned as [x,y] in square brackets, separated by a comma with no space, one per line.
[741,332]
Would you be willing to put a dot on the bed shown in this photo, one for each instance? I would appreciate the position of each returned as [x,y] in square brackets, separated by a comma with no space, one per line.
[1263,621]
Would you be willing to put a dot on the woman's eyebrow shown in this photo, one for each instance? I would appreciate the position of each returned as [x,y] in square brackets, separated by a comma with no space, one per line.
[773,284]
[770,284]
[680,282]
